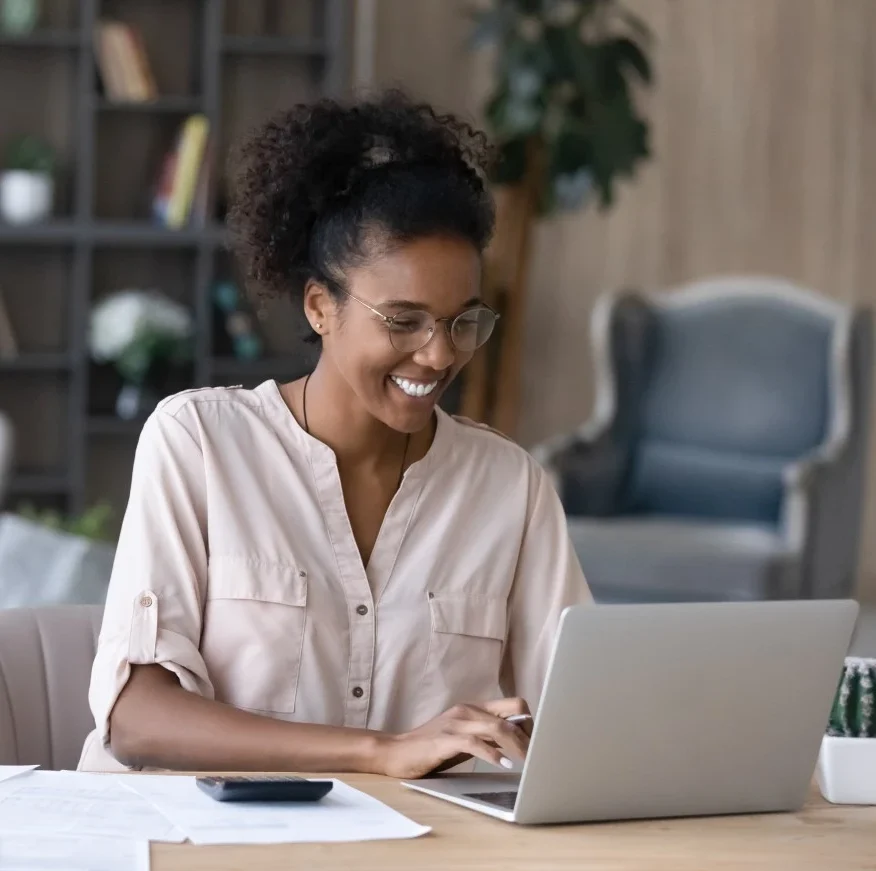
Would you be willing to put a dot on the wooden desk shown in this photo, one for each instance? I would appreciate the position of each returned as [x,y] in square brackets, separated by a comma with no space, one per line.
[821,836]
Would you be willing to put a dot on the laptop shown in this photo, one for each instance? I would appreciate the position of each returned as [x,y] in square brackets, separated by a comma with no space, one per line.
[670,710]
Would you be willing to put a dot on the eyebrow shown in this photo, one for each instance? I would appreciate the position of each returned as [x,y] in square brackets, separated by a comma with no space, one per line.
[407,305]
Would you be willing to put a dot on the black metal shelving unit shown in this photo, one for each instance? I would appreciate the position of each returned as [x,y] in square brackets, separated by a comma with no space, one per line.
[86,235]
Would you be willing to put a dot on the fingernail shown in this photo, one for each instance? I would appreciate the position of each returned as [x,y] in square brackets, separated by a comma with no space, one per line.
[506,763]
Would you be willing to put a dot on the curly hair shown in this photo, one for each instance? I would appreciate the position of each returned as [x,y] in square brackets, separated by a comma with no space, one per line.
[324,186]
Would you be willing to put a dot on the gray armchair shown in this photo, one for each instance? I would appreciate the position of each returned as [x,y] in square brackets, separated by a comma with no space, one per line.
[725,458]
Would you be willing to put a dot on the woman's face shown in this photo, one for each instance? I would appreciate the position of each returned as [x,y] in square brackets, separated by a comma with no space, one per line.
[438,275]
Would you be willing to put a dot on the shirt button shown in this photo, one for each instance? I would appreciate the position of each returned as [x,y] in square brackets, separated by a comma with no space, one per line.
[146,601]
[362,610]
[358,692]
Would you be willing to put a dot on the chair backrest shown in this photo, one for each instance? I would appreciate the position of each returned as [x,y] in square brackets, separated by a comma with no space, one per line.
[46,656]
[724,383]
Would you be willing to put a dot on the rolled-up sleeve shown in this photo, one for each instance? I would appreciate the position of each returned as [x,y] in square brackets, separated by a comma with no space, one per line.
[548,579]
[154,605]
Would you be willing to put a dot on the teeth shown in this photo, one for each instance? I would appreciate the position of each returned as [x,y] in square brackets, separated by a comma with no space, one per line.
[412,389]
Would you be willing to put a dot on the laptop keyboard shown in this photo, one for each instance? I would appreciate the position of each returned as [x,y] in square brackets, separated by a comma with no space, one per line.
[505,800]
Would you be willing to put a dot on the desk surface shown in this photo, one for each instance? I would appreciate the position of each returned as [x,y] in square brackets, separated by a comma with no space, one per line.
[821,836]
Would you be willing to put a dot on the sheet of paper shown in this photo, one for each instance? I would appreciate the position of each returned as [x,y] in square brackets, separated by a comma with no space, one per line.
[7,772]
[72,853]
[345,814]
[87,805]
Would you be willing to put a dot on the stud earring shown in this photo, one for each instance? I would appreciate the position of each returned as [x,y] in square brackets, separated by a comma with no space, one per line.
[319,328]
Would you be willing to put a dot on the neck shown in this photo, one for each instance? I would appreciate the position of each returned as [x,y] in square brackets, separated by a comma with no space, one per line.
[337,419]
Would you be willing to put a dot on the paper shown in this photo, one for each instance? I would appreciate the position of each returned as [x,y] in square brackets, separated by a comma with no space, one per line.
[87,805]
[72,853]
[7,772]
[345,814]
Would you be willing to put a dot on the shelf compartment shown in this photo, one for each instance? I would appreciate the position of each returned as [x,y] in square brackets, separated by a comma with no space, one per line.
[29,482]
[172,104]
[43,39]
[274,46]
[36,362]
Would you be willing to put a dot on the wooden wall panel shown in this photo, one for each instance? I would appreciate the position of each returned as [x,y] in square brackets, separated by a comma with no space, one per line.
[765,162]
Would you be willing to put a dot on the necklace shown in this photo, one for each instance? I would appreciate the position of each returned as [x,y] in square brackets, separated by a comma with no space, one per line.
[401,470]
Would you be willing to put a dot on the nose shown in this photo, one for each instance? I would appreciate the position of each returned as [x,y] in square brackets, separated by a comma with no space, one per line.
[438,353]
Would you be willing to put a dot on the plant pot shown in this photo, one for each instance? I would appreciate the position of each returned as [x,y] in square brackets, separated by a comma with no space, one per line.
[19,17]
[846,771]
[25,197]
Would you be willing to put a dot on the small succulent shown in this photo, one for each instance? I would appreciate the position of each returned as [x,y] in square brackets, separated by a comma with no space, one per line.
[854,708]
[29,154]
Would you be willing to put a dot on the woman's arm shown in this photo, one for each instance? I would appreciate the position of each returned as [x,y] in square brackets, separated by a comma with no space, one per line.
[157,724]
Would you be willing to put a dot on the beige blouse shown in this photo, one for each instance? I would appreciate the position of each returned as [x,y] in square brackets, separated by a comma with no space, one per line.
[237,570]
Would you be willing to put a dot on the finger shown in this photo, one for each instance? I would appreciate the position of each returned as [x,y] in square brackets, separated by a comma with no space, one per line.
[480,749]
[510,739]
[506,707]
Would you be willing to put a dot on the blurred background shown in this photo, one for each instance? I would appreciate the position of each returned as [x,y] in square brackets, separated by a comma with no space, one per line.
[683,262]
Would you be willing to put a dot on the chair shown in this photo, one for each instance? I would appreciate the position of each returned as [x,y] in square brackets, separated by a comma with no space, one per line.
[725,458]
[7,455]
[45,669]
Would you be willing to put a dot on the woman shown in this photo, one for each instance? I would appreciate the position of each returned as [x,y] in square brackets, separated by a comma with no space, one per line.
[334,574]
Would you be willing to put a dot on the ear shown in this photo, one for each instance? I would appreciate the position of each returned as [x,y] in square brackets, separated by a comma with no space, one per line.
[319,306]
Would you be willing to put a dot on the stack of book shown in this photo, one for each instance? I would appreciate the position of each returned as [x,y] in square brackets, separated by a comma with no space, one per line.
[182,195]
[124,66]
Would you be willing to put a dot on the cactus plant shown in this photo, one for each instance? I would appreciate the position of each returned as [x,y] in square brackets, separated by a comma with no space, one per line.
[854,708]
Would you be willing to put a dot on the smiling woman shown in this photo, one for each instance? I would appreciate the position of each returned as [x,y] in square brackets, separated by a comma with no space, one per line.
[334,574]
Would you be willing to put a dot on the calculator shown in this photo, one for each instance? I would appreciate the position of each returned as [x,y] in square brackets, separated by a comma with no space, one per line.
[261,787]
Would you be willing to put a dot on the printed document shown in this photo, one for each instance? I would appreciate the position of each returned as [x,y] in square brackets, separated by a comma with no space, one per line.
[85,805]
[345,814]
[7,772]
[72,853]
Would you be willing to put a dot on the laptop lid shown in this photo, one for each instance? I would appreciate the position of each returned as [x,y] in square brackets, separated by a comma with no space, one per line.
[683,709]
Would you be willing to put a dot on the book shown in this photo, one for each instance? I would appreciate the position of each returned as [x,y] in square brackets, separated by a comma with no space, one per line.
[123,63]
[191,152]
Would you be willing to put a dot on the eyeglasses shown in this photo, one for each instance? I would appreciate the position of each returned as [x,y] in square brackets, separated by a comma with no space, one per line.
[411,330]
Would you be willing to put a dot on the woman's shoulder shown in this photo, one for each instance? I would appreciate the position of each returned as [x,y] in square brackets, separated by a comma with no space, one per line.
[206,409]
[483,443]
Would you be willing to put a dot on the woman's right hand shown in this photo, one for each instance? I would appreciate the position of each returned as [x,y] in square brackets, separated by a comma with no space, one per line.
[456,735]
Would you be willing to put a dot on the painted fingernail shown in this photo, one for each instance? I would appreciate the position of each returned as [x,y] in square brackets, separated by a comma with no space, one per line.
[506,763]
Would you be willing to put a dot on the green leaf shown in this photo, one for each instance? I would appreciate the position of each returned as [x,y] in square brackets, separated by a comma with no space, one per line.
[511,163]
[630,55]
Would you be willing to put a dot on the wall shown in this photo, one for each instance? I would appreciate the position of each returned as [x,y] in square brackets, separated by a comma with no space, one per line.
[765,162]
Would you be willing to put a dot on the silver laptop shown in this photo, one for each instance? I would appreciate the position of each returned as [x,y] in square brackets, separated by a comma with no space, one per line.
[670,710]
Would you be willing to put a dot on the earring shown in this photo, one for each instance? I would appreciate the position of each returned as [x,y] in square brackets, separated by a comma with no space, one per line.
[318,328]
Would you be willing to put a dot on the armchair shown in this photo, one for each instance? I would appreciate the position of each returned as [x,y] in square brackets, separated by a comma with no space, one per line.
[725,457]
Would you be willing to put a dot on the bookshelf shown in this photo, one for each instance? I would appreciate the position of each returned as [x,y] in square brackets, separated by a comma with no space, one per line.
[234,61]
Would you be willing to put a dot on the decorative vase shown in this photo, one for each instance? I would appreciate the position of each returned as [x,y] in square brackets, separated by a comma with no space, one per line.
[846,771]
[136,401]
[25,197]
[19,17]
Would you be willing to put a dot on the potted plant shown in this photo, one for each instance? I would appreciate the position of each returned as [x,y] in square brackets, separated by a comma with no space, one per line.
[846,772]
[143,334]
[563,111]
[19,17]
[27,186]
[53,559]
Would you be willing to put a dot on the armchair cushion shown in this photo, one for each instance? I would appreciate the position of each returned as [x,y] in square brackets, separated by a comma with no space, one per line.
[640,559]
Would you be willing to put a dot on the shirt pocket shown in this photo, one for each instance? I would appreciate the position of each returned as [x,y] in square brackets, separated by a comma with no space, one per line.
[255,617]
[465,648]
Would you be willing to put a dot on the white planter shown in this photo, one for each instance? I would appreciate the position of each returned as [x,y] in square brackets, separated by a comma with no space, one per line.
[25,197]
[40,566]
[846,771]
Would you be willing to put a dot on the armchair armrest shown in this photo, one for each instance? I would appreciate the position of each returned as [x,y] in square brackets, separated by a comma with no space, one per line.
[824,489]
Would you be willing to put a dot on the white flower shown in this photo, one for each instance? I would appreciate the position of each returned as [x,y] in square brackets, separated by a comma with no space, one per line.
[121,318]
